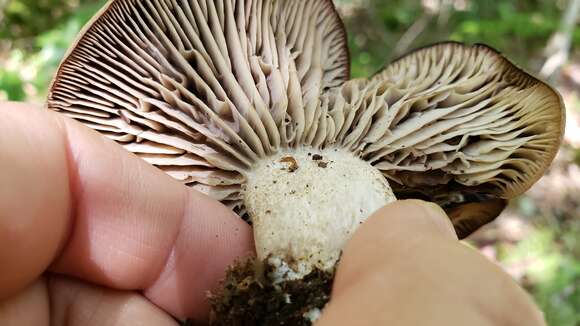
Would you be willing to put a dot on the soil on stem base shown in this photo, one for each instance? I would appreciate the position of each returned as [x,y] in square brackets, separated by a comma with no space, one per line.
[249,297]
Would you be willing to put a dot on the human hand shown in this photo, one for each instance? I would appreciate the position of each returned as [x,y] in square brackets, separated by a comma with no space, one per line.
[92,235]
[123,244]
[405,267]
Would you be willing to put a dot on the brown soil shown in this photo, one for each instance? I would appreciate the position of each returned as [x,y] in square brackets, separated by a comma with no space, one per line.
[248,297]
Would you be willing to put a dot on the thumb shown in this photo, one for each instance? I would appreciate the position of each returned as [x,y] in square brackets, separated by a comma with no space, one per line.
[389,235]
[404,266]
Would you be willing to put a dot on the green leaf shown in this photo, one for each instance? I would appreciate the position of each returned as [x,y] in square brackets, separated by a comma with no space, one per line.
[12,85]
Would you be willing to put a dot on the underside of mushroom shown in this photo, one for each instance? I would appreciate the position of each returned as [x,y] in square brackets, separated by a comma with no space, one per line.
[250,102]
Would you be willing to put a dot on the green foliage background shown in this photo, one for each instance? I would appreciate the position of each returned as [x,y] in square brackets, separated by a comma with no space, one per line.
[35,34]
[519,28]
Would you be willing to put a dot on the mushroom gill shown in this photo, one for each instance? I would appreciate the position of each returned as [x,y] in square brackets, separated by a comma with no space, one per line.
[453,124]
[250,102]
[204,89]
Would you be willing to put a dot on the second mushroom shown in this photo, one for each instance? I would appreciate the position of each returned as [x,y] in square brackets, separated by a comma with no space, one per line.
[250,102]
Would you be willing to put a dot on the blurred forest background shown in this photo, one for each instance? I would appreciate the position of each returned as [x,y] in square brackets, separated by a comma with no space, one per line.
[537,239]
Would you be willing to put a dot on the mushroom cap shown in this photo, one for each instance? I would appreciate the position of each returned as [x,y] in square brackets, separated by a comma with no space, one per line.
[206,89]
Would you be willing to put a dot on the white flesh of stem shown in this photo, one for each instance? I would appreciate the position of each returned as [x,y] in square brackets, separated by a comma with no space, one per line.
[305,204]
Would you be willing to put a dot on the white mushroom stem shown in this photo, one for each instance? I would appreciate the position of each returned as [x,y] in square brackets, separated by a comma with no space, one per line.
[305,204]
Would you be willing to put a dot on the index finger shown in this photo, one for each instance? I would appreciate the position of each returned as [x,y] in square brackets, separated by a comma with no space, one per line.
[77,201]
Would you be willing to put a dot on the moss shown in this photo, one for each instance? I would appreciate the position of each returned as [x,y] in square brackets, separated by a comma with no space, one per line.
[248,297]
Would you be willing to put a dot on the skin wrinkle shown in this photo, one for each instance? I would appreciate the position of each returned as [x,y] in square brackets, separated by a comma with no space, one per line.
[67,311]
[77,186]
[94,305]
[172,276]
[139,181]
[166,261]
[73,183]
[127,186]
[95,311]
[98,230]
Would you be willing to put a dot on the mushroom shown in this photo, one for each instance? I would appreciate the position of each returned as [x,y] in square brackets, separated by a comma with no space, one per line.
[250,102]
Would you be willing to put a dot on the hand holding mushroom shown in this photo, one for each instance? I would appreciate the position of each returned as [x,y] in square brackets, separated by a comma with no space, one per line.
[405,267]
[67,203]
[99,234]
[250,102]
